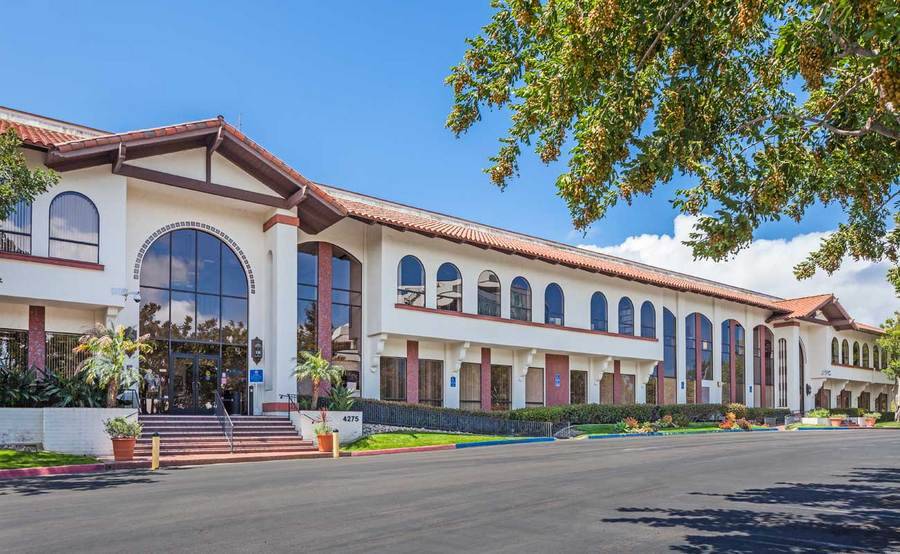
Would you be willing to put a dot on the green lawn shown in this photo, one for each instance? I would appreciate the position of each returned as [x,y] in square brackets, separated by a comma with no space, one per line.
[888,425]
[404,439]
[12,459]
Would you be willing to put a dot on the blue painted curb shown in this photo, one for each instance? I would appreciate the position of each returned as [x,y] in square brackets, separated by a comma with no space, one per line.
[501,442]
[824,429]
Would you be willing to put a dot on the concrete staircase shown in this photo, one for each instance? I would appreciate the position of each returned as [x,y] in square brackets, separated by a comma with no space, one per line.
[188,435]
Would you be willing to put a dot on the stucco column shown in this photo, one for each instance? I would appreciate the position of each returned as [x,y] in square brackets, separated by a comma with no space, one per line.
[451,375]
[715,391]
[281,351]
[595,372]
[520,366]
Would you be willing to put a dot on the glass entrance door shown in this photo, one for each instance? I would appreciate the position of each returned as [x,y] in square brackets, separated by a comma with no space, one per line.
[193,383]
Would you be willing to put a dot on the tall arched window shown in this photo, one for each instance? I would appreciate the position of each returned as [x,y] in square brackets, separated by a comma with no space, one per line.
[520,300]
[599,320]
[554,305]
[698,362]
[876,362]
[669,384]
[865,356]
[648,320]
[782,373]
[856,353]
[488,294]
[845,352]
[733,361]
[626,316]
[74,228]
[194,306]
[449,288]
[835,351]
[763,367]
[15,230]
[411,282]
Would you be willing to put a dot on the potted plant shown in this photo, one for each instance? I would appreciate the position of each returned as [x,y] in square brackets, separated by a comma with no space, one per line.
[836,420]
[818,416]
[124,434]
[871,418]
[322,429]
[109,350]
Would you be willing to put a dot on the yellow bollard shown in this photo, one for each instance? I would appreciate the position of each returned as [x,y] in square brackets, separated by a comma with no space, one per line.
[154,456]
[335,444]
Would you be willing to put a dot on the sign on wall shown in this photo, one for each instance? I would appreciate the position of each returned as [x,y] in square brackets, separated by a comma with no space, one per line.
[256,376]
[557,380]
[453,381]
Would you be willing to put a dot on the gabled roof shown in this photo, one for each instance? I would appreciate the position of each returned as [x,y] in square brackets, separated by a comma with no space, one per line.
[35,136]
[824,309]
[402,217]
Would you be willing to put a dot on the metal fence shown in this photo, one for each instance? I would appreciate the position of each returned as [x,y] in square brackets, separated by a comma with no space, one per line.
[444,419]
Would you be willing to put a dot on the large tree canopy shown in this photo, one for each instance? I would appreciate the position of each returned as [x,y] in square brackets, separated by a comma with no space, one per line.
[758,109]
[17,181]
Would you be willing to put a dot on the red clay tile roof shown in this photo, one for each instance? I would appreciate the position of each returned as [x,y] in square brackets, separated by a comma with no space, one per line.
[429,223]
[804,306]
[36,136]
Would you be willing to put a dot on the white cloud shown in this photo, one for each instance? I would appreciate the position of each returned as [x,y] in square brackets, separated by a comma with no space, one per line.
[767,266]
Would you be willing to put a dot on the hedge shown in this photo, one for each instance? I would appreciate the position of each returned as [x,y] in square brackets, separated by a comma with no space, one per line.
[577,414]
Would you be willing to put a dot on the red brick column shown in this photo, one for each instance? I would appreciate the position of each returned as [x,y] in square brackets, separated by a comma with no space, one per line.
[412,371]
[556,364]
[486,379]
[37,336]
[617,382]
[323,306]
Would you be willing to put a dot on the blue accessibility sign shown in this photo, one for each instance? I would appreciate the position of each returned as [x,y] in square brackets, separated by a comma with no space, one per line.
[452,381]
[256,376]
[557,381]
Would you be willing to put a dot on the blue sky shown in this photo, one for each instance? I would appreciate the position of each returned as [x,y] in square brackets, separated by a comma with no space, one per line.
[348,94]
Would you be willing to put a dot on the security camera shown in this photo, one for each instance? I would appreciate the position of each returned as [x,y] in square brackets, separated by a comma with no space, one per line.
[137,297]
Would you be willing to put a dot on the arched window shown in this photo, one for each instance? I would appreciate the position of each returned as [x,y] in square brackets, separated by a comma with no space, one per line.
[698,362]
[733,361]
[449,288]
[15,230]
[411,282]
[845,352]
[782,373]
[648,320]
[626,316]
[598,312]
[865,356]
[520,299]
[856,353]
[488,294]
[74,228]
[876,362]
[194,307]
[835,351]
[669,384]
[554,305]
[763,367]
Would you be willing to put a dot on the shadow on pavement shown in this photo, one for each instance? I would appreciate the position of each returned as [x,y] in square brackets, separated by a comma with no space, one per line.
[34,486]
[860,516]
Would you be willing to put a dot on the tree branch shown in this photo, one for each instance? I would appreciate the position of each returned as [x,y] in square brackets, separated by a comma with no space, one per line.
[660,34]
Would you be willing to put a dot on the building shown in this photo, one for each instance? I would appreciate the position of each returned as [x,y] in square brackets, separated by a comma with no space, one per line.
[231,260]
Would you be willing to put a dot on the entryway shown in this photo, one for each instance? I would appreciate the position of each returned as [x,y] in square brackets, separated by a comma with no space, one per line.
[193,383]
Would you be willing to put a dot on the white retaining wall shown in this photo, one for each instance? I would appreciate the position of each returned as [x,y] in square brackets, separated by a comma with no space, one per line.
[68,430]
[347,424]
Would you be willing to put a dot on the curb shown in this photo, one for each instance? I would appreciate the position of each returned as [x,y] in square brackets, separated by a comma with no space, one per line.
[499,442]
[670,434]
[52,470]
[825,429]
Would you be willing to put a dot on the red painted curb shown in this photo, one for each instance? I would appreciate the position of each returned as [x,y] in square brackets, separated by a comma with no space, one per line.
[53,470]
[403,450]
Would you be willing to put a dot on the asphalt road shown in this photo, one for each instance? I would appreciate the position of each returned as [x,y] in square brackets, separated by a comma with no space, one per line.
[775,492]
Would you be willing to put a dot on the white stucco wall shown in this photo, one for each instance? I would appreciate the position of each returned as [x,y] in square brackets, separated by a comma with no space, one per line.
[67,430]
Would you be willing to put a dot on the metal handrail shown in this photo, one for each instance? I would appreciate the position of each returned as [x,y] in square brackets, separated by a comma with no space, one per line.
[225,421]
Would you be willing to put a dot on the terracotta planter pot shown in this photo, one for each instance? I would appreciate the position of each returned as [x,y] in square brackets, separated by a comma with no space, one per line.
[123,449]
[326,442]
[870,422]
[835,421]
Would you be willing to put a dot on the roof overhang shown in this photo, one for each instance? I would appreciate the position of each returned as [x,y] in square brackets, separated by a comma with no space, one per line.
[316,209]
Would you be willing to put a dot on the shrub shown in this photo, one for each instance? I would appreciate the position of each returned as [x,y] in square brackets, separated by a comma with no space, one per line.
[743,424]
[758,414]
[728,421]
[613,413]
[850,412]
[680,420]
[340,399]
[122,428]
[738,409]
[872,415]
[666,422]
[818,412]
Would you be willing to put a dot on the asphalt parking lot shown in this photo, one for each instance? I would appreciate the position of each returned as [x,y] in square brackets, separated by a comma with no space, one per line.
[775,492]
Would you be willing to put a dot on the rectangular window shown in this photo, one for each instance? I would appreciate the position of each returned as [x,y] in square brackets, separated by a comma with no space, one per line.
[534,387]
[782,373]
[13,348]
[578,387]
[501,387]
[606,388]
[823,399]
[431,382]
[628,382]
[470,387]
[863,401]
[15,230]
[58,355]
[393,379]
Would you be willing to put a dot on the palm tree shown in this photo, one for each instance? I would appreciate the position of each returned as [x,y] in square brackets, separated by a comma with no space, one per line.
[108,352]
[317,369]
